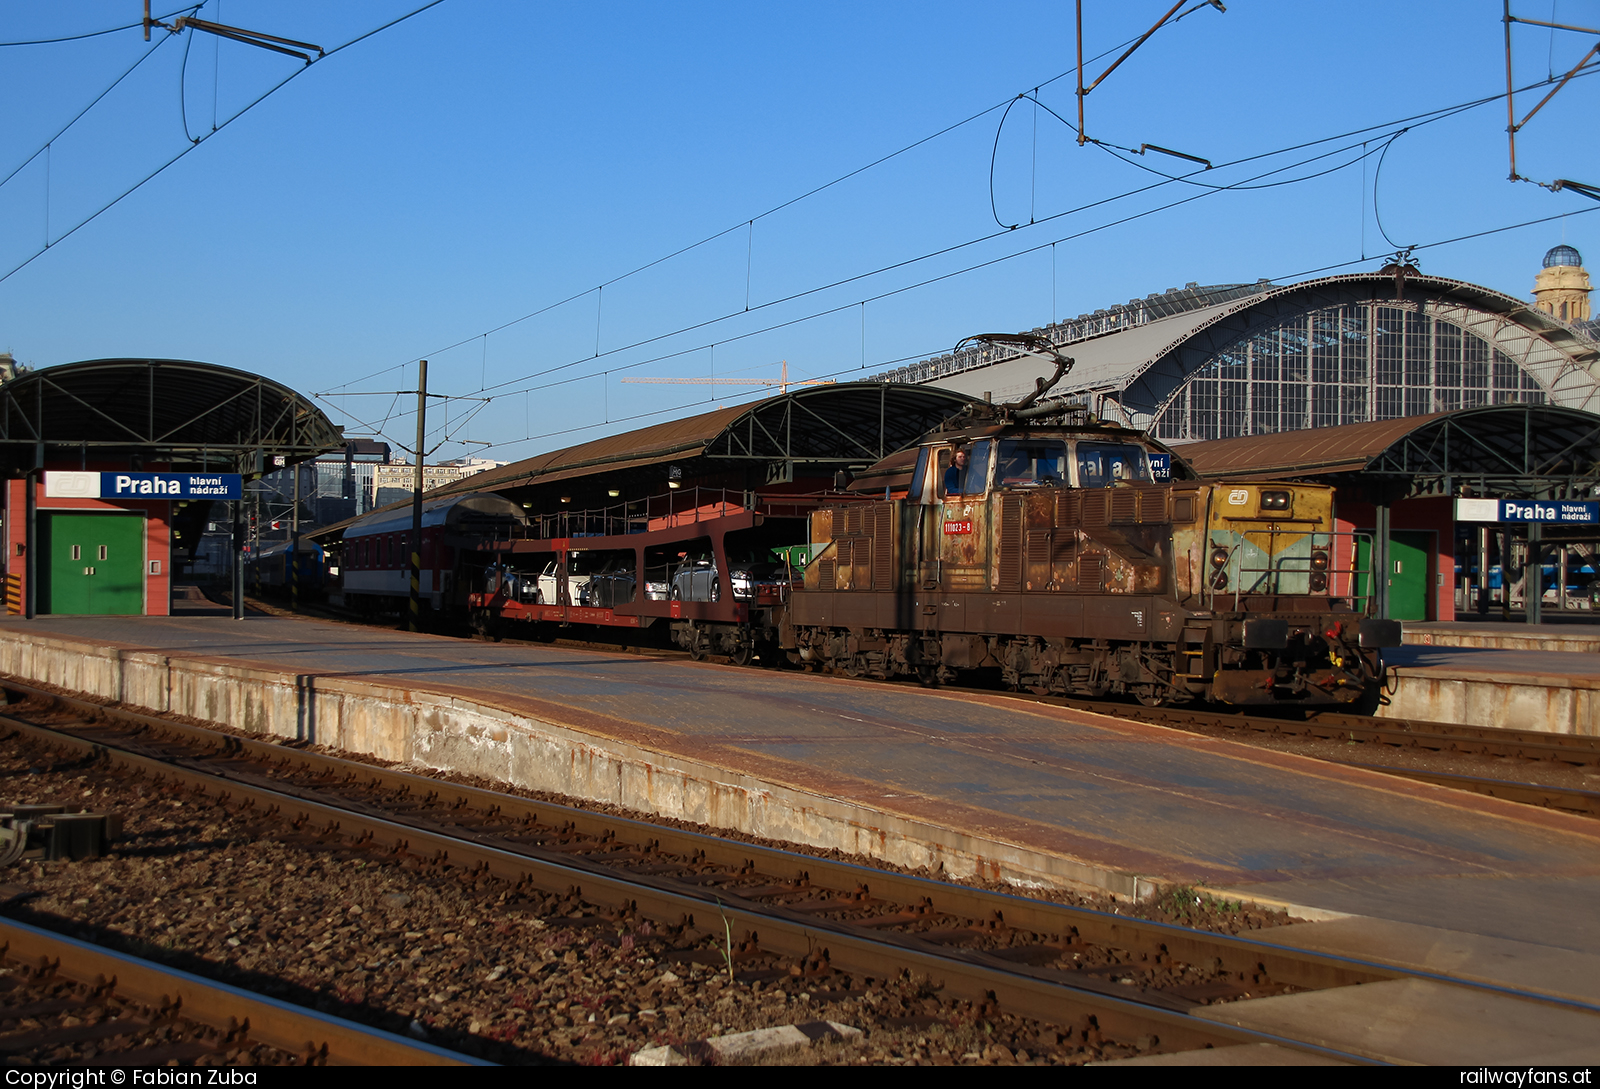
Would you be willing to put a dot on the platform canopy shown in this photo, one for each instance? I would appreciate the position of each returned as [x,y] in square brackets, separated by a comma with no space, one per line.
[158,411]
[1520,451]
[816,428]
[802,435]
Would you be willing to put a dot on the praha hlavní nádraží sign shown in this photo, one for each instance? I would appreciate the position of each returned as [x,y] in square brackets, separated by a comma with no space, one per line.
[77,485]
[1558,512]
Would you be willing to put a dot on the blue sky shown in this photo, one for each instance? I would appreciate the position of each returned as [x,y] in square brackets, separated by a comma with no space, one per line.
[481,162]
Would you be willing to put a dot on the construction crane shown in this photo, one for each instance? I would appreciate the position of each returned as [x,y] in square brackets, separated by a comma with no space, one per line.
[783,383]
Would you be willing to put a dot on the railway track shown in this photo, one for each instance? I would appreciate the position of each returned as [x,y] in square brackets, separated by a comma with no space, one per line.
[65,1001]
[817,919]
[1377,734]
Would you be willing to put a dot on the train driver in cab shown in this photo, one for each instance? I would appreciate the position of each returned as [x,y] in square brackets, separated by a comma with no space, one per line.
[966,469]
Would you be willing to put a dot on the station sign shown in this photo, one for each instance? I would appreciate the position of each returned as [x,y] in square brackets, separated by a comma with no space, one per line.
[1558,512]
[67,485]
[1161,468]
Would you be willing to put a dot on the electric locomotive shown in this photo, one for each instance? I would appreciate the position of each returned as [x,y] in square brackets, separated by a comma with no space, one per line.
[1073,556]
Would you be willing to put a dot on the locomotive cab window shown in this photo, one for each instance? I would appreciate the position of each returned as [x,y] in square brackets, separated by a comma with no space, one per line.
[1031,462]
[920,491]
[1102,464]
[964,470]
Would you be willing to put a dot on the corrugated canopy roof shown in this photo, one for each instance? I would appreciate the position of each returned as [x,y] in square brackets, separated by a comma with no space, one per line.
[1499,441]
[845,423]
[1345,449]
[166,410]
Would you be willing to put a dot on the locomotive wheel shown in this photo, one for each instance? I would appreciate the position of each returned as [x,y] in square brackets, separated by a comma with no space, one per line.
[928,676]
[742,654]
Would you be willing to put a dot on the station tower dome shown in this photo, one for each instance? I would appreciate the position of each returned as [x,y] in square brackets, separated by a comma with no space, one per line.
[1562,286]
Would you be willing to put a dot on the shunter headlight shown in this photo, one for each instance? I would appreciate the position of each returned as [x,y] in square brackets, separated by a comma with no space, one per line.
[1319,560]
[1319,582]
[1219,557]
[1274,500]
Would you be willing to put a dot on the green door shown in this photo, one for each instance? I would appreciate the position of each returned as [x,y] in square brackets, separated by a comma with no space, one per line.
[93,564]
[1408,574]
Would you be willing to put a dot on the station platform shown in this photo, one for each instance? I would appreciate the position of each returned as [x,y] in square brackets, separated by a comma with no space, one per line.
[1497,675]
[970,783]
[1566,634]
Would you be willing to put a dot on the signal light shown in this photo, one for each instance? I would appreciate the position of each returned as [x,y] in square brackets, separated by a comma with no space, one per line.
[1219,557]
[1319,560]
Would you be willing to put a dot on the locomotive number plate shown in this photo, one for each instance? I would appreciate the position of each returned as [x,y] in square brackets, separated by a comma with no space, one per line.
[952,528]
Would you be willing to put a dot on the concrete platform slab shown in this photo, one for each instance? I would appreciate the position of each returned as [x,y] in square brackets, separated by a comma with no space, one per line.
[975,784]
[1420,1022]
[1524,689]
[1519,965]
[1499,635]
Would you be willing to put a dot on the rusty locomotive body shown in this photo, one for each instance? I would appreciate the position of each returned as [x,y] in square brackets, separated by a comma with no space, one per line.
[1057,550]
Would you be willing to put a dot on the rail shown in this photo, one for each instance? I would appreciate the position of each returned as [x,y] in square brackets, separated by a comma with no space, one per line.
[236,1016]
[818,913]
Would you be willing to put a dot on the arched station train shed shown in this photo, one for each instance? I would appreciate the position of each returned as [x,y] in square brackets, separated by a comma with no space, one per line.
[73,546]
[1432,391]
[724,488]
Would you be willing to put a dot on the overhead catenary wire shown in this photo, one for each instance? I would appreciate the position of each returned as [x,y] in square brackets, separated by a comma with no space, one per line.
[708,322]
[1207,190]
[1291,276]
[95,33]
[925,354]
[144,56]
[1439,113]
[252,104]
[1377,176]
[750,221]
[1411,121]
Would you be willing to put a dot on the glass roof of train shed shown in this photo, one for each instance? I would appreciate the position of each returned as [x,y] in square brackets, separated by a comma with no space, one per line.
[181,413]
[1510,451]
[1332,351]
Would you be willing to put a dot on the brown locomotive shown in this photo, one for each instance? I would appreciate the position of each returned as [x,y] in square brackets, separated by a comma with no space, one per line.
[1040,542]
